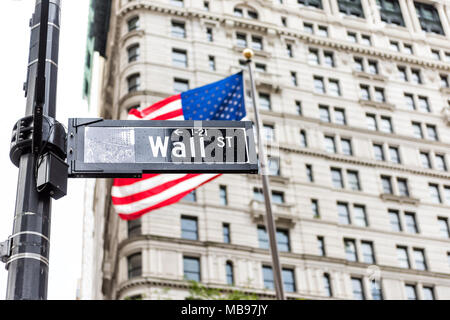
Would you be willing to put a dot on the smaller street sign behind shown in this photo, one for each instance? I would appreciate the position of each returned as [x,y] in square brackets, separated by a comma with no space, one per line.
[100,148]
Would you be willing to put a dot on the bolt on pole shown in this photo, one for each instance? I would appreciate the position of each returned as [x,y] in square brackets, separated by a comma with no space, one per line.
[27,261]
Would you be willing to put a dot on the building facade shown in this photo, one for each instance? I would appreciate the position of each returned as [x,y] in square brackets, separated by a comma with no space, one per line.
[354,99]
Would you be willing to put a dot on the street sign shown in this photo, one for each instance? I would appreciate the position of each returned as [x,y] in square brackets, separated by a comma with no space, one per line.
[98,148]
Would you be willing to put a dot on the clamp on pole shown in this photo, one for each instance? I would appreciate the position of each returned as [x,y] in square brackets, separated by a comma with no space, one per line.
[5,250]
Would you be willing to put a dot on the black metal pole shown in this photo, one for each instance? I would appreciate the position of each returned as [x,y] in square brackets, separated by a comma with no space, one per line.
[27,263]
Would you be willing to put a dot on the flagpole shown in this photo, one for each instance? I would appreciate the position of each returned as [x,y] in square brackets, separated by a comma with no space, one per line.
[270,223]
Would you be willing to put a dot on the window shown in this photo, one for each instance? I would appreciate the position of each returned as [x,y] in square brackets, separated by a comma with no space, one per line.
[209,35]
[206,5]
[390,12]
[336,177]
[260,67]
[386,125]
[358,64]
[371,122]
[350,250]
[282,236]
[343,213]
[321,246]
[178,3]
[303,139]
[313,56]
[252,14]
[327,285]
[443,227]
[411,293]
[223,195]
[134,82]
[241,40]
[407,48]
[191,196]
[133,53]
[229,273]
[289,50]
[402,74]
[377,293]
[402,185]
[226,233]
[351,8]
[346,147]
[179,58]
[428,293]
[180,85]
[431,132]
[284,21]
[439,161]
[277,197]
[264,101]
[268,132]
[358,289]
[257,43]
[339,116]
[415,76]
[319,85]
[423,104]
[258,195]
[409,100]
[330,145]
[298,107]
[351,36]
[324,114]
[315,208]
[417,130]
[191,268]
[403,257]
[394,46]
[379,95]
[419,259]
[434,193]
[333,86]
[386,184]
[365,40]
[212,63]
[435,54]
[410,223]
[444,81]
[133,24]
[359,216]
[378,152]
[189,228]
[394,219]
[309,173]
[134,227]
[367,252]
[294,78]
[288,280]
[328,58]
[134,263]
[353,180]
[425,159]
[394,155]
[364,92]
[308,28]
[311,3]
[373,67]
[274,166]
[429,18]
[322,31]
[178,29]
[238,12]
[268,278]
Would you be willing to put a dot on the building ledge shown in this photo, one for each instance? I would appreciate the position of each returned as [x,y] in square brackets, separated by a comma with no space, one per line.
[283,214]
[369,76]
[376,104]
[399,199]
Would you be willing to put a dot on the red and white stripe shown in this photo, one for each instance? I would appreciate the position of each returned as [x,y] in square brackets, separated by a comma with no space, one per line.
[134,197]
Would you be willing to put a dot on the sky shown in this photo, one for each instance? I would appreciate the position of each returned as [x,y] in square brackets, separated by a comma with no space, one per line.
[67,213]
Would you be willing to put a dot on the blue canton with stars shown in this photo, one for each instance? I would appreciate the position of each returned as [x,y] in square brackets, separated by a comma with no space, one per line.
[221,100]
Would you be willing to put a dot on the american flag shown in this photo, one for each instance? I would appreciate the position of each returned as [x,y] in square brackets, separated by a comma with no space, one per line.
[221,100]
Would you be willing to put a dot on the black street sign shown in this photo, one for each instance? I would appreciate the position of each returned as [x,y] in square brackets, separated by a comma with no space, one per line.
[100,148]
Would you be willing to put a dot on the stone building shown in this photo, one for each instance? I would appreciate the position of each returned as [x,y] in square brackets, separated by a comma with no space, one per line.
[355,97]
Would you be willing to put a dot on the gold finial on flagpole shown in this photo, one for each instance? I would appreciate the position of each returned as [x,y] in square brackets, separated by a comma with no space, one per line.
[248,53]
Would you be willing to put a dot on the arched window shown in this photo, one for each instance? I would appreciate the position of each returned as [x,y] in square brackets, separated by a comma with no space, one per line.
[245,12]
